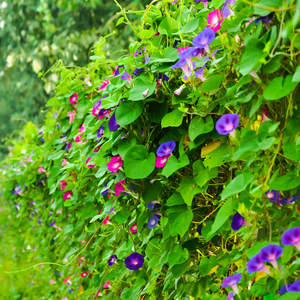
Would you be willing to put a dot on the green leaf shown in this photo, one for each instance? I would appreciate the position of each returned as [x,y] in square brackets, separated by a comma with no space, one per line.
[177,255]
[151,191]
[188,189]
[138,163]
[169,55]
[146,34]
[279,88]
[212,84]
[175,199]
[168,26]
[128,112]
[217,157]
[285,182]
[237,185]
[201,174]
[173,164]
[172,119]
[180,218]
[264,7]
[198,126]
[296,77]
[142,84]
[252,56]
[179,270]
[290,296]
[292,151]
[125,145]
[120,21]
[191,25]
[122,216]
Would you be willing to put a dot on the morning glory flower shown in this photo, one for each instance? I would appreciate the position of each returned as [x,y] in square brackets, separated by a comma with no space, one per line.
[106,221]
[151,204]
[214,20]
[271,253]
[84,274]
[204,2]
[165,148]
[295,286]
[161,161]
[199,229]
[256,264]
[82,128]
[52,281]
[115,163]
[91,165]
[52,224]
[288,200]
[100,131]
[284,289]
[272,195]
[163,76]
[119,187]
[226,10]
[112,260]
[153,221]
[182,63]
[238,221]
[134,261]
[227,124]
[145,93]
[232,281]
[68,195]
[112,123]
[126,76]
[291,237]
[137,71]
[64,162]
[230,296]
[106,285]
[204,38]
[71,116]
[187,54]
[178,91]
[73,98]
[199,73]
[133,228]
[265,117]
[265,19]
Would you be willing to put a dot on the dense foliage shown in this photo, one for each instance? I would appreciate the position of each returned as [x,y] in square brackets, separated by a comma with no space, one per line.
[169,173]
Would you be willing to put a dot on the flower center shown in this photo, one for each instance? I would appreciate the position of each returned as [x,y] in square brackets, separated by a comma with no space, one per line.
[135,262]
[134,227]
[229,127]
[153,222]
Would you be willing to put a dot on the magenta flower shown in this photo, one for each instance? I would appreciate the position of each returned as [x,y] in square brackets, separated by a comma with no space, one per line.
[68,195]
[133,228]
[112,123]
[265,117]
[73,98]
[255,264]
[227,124]
[126,76]
[84,274]
[71,115]
[153,221]
[104,84]
[82,128]
[230,296]
[214,20]
[272,195]
[106,221]
[271,253]
[119,187]
[238,221]
[232,281]
[64,162]
[106,285]
[204,38]
[112,260]
[100,131]
[291,237]
[91,165]
[63,184]
[115,163]
[288,200]
[161,161]
[165,148]
[134,261]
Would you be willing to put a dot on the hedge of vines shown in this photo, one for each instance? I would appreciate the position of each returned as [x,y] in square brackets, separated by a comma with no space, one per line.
[171,173]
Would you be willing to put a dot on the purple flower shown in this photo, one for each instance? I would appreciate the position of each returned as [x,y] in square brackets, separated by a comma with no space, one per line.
[204,38]
[284,289]
[112,123]
[98,103]
[183,65]
[112,260]
[255,264]
[272,195]
[153,221]
[226,10]
[230,296]
[232,281]
[100,132]
[295,286]
[52,224]
[288,200]
[30,284]
[55,116]
[165,148]
[291,237]
[147,59]
[134,261]
[238,221]
[199,73]
[17,206]
[227,124]
[265,19]
[271,253]
[17,190]
[199,229]
[39,220]
[137,71]
[126,76]
[42,140]
[106,191]
[163,76]
[71,290]
[187,54]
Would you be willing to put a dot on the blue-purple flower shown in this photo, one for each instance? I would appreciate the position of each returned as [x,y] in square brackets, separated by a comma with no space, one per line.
[153,221]
[126,76]
[199,73]
[238,221]
[187,54]
[137,71]
[295,286]
[256,264]
[226,10]
[272,195]
[227,124]
[232,281]
[100,131]
[52,224]
[163,76]
[265,19]
[288,200]
[165,148]
[134,261]
[199,227]
[112,123]
[230,296]
[291,237]
[204,38]
[271,253]
[112,260]
[183,65]
[284,289]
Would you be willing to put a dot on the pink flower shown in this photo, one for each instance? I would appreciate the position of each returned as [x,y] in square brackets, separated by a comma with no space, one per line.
[73,98]
[10,154]
[52,281]
[71,115]
[265,116]
[95,111]
[97,149]
[84,274]
[29,159]
[119,187]
[68,195]
[182,49]
[64,162]
[92,165]
[41,169]
[133,228]
[106,285]
[78,138]
[65,298]
[106,221]
[161,161]
[250,21]
[214,20]
[59,211]
[104,84]
[82,128]
[115,163]
[98,294]
[67,280]
[87,81]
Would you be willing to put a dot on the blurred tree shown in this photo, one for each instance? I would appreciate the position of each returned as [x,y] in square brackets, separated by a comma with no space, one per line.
[34,34]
